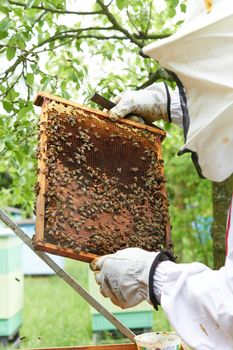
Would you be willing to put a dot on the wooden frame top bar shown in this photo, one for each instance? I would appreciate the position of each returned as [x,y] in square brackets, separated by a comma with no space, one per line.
[42,96]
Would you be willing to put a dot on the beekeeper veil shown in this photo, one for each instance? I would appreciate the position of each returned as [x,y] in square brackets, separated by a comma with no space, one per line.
[200,55]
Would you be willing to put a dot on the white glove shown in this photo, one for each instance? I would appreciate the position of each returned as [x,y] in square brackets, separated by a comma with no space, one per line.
[124,276]
[151,104]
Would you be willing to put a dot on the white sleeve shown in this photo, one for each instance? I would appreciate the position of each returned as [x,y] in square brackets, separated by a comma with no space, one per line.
[198,302]
[175,107]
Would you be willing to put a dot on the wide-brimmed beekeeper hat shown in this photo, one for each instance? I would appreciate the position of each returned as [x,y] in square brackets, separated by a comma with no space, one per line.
[200,54]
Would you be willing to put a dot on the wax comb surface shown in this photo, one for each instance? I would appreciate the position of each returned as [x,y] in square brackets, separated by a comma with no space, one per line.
[101,184]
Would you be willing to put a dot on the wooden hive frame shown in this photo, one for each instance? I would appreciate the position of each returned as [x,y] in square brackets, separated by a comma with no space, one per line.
[43,99]
[96,347]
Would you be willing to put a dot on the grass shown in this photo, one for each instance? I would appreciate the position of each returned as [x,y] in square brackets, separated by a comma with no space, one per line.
[55,315]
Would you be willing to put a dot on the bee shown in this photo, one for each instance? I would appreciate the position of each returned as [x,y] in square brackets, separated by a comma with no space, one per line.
[136,145]
[77,250]
[134,169]
[97,135]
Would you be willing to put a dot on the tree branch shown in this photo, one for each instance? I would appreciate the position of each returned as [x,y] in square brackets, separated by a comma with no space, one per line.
[117,26]
[11,86]
[132,23]
[159,74]
[149,19]
[38,18]
[78,34]
[102,37]
[55,47]
[67,12]
[12,68]
[68,34]
[145,36]
[60,36]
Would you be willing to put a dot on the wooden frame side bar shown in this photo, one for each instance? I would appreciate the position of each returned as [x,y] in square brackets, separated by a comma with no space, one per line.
[40,202]
[168,226]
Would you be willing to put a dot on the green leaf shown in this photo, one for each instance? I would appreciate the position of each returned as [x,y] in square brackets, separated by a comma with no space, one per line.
[2,147]
[5,24]
[12,94]
[3,35]
[121,4]
[183,7]
[23,111]
[7,106]
[25,124]
[46,81]
[42,80]
[173,3]
[64,85]
[30,78]
[16,124]
[10,53]
[65,94]
[20,41]
[9,144]
[179,23]
[4,10]
[19,156]
[172,12]
[29,3]
[18,12]
[13,40]
[21,103]
[167,126]
[64,91]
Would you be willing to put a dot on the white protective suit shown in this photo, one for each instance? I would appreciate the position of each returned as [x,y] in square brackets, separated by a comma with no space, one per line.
[200,53]
[197,300]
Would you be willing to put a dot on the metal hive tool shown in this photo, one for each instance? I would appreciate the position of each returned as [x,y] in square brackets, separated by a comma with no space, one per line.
[101,184]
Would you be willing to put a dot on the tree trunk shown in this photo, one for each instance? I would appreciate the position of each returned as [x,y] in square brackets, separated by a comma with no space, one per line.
[221,196]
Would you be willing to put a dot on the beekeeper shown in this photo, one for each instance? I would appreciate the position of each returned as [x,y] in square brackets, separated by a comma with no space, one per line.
[198,301]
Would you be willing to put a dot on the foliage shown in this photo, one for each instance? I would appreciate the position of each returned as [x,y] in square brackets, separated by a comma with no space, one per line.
[54,47]
[190,203]
[47,46]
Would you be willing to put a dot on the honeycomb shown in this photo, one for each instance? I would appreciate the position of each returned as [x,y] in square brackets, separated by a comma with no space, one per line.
[101,184]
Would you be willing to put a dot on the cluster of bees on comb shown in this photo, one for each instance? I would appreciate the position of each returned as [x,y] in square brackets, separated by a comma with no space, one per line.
[104,183]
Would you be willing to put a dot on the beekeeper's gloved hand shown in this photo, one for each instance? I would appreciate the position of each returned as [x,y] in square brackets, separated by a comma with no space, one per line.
[124,276]
[153,103]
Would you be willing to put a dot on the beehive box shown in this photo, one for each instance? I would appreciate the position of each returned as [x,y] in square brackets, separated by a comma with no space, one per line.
[101,184]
